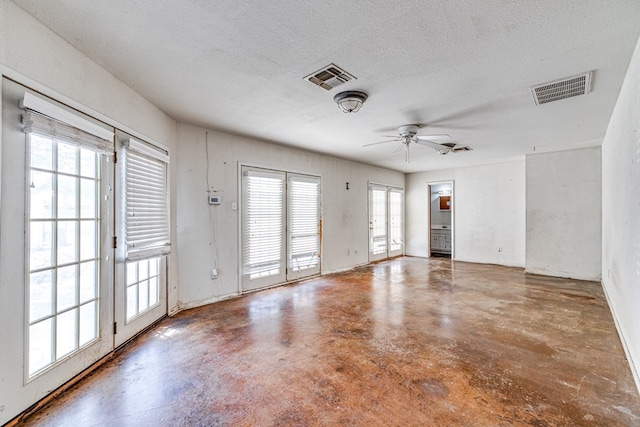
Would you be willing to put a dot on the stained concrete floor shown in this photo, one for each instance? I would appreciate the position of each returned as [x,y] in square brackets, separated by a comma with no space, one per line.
[406,342]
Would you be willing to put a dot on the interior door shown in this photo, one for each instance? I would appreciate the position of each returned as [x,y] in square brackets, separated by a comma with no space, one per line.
[143,236]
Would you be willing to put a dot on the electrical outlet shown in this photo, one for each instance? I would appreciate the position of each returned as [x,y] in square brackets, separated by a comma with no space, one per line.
[214,273]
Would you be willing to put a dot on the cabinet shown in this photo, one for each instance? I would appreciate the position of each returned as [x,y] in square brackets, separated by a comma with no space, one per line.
[441,241]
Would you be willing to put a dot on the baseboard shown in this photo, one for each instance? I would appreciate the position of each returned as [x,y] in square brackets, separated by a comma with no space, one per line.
[625,346]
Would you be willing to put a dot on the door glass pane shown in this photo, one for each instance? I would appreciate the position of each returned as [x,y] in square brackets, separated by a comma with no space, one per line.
[40,295]
[88,323]
[66,294]
[40,244]
[41,152]
[87,198]
[41,195]
[66,333]
[88,165]
[67,159]
[67,241]
[67,196]
[87,281]
[88,236]
[40,343]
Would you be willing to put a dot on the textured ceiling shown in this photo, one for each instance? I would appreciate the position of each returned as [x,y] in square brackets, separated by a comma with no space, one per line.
[461,67]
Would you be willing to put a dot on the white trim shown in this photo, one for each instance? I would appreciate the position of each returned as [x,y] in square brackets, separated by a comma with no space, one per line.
[42,106]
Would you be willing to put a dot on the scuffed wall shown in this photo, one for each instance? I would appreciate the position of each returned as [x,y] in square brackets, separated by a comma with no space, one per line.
[564,214]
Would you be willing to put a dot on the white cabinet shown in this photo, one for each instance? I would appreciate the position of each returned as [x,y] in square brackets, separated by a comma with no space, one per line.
[441,240]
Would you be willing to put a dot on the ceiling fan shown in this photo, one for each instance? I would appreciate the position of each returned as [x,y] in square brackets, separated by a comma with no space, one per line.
[409,133]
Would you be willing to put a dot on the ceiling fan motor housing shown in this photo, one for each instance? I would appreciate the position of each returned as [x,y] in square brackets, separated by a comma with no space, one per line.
[408,130]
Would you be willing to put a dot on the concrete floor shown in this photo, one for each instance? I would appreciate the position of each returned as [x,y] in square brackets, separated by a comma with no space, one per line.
[407,342]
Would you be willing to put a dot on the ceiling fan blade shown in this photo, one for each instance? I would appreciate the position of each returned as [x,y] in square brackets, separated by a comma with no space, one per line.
[428,143]
[440,148]
[399,147]
[380,142]
[442,136]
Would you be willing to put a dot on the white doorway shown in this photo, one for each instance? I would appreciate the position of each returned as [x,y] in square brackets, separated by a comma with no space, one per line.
[441,219]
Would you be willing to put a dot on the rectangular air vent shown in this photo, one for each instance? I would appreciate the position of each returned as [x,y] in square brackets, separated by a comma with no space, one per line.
[461,148]
[562,89]
[329,77]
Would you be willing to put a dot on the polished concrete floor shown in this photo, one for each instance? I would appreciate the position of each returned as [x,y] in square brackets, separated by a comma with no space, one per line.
[406,342]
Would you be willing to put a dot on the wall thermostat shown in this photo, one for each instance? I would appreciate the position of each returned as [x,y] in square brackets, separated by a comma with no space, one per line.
[215,200]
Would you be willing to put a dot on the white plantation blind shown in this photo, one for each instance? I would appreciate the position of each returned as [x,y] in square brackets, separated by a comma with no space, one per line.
[34,122]
[304,222]
[146,195]
[63,124]
[263,223]
[396,226]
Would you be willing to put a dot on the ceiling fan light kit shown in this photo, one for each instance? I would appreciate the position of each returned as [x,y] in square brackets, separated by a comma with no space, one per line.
[350,101]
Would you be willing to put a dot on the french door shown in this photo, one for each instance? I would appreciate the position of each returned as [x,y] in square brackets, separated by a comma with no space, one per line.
[281,225]
[66,280]
[386,221]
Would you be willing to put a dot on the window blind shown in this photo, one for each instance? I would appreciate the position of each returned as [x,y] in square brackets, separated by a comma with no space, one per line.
[264,223]
[304,222]
[146,204]
[34,122]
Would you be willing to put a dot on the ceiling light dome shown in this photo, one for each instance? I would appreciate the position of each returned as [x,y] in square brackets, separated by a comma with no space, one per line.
[350,101]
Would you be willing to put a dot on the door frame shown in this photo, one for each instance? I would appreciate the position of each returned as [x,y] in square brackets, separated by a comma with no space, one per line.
[431,184]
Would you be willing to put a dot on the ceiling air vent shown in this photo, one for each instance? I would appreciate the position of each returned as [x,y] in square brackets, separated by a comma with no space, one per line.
[458,148]
[562,89]
[329,77]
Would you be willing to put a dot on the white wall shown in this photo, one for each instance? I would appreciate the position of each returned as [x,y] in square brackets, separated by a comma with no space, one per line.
[489,212]
[621,214]
[564,214]
[208,235]
[36,57]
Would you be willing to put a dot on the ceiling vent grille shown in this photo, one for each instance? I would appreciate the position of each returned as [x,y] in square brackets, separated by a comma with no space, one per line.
[562,89]
[329,77]
[461,148]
